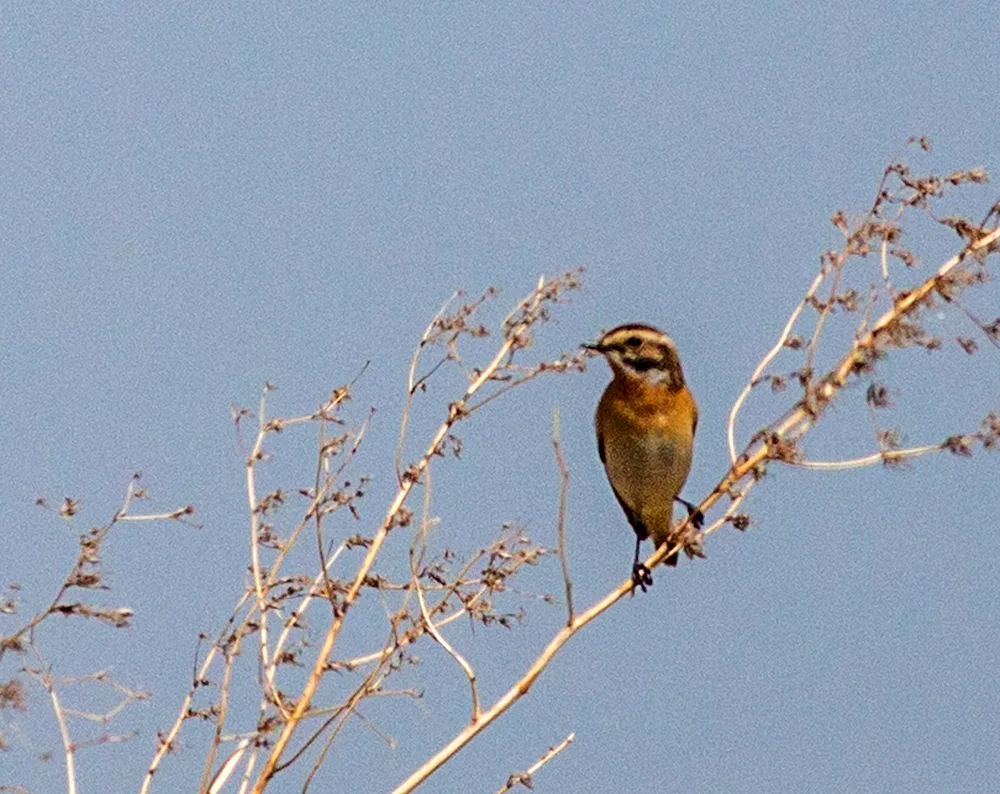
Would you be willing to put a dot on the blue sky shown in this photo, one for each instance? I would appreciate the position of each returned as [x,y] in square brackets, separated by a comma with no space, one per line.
[201,198]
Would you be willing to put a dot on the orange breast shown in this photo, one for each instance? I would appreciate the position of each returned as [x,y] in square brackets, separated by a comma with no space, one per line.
[647,433]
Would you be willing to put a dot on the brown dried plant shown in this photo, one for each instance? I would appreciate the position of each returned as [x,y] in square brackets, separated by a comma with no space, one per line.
[303,705]
[85,574]
[291,657]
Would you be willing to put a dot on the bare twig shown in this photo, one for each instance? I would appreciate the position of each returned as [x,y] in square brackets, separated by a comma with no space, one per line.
[561,520]
[167,741]
[525,778]
[884,456]
[412,384]
[229,765]
[44,677]
[768,358]
[466,667]
[256,454]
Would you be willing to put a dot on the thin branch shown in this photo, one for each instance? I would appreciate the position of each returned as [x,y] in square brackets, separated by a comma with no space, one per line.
[68,749]
[884,456]
[466,667]
[884,260]
[524,778]
[85,571]
[254,504]
[561,520]
[166,742]
[416,562]
[294,619]
[248,770]
[227,768]
[412,384]
[173,515]
[103,677]
[222,712]
[44,677]
[768,358]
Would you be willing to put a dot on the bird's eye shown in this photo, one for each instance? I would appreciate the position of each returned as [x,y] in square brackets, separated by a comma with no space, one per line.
[633,342]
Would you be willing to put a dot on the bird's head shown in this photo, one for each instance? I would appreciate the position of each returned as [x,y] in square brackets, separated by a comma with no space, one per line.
[642,352]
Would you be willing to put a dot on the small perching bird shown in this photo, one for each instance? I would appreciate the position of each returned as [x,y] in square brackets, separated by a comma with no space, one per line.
[645,422]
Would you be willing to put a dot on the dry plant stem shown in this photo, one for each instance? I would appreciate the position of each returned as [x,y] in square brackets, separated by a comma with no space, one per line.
[796,423]
[220,722]
[68,749]
[523,686]
[201,672]
[166,743]
[258,580]
[248,772]
[341,721]
[884,456]
[320,581]
[44,677]
[454,414]
[412,636]
[466,667]
[102,677]
[389,741]
[824,313]
[884,260]
[411,383]
[12,640]
[771,355]
[340,715]
[424,614]
[222,710]
[561,519]
[314,510]
[524,778]
[269,660]
[232,650]
[227,768]
[336,400]
[173,515]
[296,616]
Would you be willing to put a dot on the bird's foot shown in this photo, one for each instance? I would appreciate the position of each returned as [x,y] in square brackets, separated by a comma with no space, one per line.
[641,576]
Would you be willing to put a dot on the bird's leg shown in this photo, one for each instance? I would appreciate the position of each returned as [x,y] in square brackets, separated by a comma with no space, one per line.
[695,516]
[641,576]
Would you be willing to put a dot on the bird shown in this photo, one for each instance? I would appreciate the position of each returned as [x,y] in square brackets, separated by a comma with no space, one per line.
[646,422]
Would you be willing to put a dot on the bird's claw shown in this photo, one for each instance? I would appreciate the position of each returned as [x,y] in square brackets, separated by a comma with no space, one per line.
[641,576]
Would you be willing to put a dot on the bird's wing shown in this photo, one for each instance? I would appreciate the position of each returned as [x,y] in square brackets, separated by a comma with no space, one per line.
[630,514]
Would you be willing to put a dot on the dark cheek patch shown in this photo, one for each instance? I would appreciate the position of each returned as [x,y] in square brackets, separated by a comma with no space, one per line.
[644,364]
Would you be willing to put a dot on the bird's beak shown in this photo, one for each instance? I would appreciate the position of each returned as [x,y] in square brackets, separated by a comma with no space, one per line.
[592,346]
